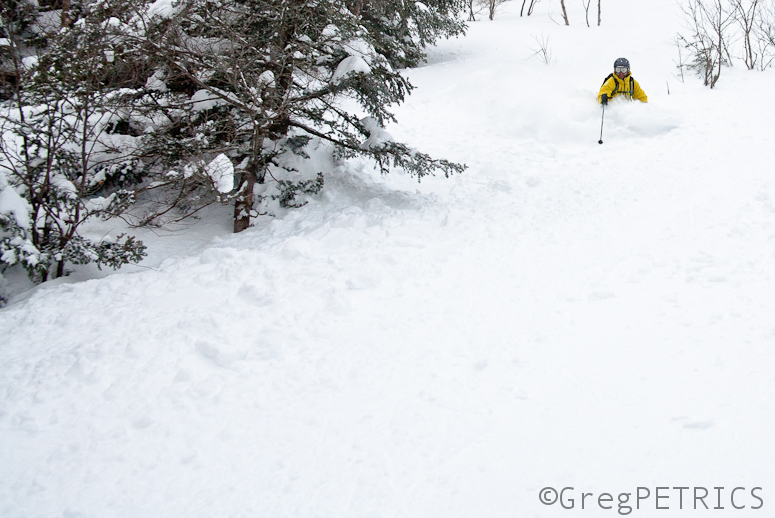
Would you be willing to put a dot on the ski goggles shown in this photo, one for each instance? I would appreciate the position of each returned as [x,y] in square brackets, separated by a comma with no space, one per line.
[621,70]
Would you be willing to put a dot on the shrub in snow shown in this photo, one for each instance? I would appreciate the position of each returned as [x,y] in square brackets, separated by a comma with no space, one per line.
[709,25]
[59,157]
[718,31]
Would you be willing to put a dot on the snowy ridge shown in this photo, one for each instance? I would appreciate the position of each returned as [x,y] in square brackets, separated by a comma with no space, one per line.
[561,314]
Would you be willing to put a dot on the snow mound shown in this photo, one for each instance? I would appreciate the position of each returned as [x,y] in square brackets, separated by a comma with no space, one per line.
[204,100]
[14,205]
[350,65]
[637,119]
[221,171]
[162,8]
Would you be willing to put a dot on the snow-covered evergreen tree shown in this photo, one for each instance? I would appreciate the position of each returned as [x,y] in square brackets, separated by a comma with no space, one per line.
[186,103]
[402,30]
[256,80]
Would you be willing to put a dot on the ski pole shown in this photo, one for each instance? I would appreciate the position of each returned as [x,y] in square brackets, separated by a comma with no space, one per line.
[601,126]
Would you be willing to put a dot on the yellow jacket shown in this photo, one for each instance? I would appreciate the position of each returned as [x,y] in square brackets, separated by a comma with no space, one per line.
[628,87]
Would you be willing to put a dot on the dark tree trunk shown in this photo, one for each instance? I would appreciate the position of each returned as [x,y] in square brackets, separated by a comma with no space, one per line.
[357,8]
[276,102]
[598,12]
[66,19]
[243,204]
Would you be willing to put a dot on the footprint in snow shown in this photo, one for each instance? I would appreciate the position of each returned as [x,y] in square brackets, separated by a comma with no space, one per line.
[500,186]
[693,424]
[253,294]
[698,425]
[221,353]
[363,282]
[601,295]
[142,423]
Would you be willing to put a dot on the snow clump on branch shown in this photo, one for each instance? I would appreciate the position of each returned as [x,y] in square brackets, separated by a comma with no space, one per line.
[350,65]
[377,136]
[221,171]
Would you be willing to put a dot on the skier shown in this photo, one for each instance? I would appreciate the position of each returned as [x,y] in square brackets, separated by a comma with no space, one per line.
[621,83]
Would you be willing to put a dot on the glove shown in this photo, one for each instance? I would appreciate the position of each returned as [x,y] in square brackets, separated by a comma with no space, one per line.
[604,99]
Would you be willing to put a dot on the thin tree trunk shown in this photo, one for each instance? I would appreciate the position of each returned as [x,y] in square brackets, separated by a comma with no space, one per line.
[564,12]
[66,19]
[243,205]
[586,10]
[60,269]
[720,42]
[598,12]
[254,174]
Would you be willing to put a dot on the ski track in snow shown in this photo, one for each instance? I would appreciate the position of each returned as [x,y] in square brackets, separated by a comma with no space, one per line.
[561,314]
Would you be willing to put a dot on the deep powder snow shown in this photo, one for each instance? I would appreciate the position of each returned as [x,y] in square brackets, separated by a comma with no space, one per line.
[561,314]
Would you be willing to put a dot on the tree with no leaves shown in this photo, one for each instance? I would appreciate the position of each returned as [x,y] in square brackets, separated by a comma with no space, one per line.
[746,14]
[586,9]
[709,23]
[530,7]
[492,6]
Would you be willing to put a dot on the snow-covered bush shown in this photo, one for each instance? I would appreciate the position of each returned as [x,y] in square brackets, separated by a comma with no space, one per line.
[59,157]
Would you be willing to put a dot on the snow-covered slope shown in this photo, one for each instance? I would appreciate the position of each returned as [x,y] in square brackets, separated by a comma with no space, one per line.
[562,314]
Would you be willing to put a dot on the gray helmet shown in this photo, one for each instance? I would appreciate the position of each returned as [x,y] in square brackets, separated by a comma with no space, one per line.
[622,62]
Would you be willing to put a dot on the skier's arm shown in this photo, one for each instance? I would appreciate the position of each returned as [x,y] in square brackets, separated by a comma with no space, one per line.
[607,88]
[639,94]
